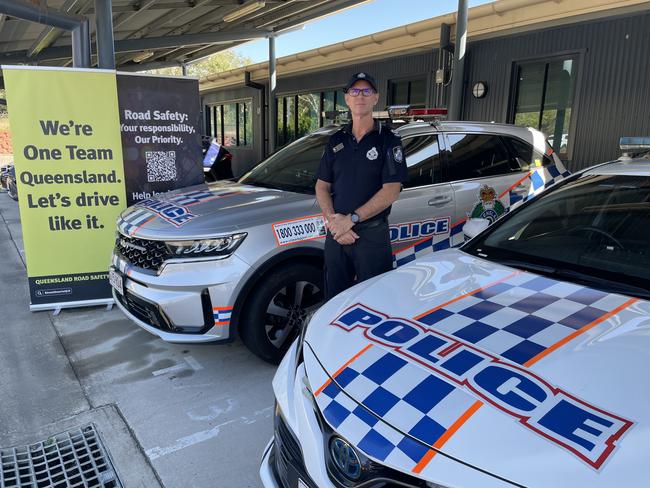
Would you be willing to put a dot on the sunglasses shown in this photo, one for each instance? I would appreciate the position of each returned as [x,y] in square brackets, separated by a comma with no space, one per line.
[355,92]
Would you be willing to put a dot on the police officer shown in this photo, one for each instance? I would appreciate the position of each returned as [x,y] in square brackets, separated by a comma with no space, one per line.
[359,178]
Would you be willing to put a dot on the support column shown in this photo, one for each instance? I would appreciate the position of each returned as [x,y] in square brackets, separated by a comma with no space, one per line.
[104,25]
[81,50]
[273,108]
[458,75]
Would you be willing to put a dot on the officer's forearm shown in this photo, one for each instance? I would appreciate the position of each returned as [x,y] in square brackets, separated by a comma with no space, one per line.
[380,201]
[324,197]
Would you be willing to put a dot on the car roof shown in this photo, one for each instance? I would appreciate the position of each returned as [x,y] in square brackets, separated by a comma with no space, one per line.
[448,126]
[639,166]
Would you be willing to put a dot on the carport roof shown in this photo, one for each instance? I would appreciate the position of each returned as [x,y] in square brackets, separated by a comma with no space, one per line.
[157,33]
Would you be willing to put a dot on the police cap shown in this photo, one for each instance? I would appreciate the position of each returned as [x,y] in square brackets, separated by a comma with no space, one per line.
[361,76]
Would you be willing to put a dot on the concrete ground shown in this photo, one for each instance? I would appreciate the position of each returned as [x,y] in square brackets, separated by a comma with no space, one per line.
[170,414]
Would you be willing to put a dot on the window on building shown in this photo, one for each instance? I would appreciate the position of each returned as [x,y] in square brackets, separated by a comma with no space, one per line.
[422,160]
[477,156]
[544,99]
[231,123]
[408,92]
[308,113]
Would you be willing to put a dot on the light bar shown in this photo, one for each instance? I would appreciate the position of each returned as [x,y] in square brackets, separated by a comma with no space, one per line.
[634,143]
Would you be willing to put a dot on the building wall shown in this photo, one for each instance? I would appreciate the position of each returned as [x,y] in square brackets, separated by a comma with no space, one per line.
[613,84]
[612,87]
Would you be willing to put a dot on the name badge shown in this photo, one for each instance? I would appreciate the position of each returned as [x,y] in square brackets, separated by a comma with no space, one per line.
[338,147]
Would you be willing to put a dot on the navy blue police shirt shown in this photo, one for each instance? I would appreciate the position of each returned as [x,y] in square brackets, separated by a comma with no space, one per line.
[357,170]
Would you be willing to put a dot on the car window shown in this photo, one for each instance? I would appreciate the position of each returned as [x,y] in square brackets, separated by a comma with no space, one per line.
[525,155]
[292,168]
[478,156]
[598,225]
[422,160]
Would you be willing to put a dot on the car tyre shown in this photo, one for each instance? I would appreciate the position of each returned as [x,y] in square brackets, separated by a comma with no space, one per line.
[274,313]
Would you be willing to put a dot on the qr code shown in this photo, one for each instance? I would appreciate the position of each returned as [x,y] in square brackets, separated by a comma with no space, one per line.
[161,165]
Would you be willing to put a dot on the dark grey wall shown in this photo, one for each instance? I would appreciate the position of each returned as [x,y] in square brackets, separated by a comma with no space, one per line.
[612,94]
[613,84]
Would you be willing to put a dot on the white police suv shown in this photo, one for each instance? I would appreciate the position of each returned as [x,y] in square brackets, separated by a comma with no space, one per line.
[520,359]
[199,264]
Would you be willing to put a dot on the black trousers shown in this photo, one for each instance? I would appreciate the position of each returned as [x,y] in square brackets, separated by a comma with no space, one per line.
[369,256]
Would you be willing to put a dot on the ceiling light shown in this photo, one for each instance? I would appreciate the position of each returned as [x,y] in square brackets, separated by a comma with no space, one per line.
[138,58]
[247,8]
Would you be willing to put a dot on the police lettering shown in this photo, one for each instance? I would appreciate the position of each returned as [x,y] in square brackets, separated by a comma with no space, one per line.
[414,230]
[174,214]
[584,430]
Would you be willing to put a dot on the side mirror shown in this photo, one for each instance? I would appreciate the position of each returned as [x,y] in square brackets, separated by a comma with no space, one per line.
[474,227]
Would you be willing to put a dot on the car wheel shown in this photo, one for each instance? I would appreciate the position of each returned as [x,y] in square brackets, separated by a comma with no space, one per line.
[274,314]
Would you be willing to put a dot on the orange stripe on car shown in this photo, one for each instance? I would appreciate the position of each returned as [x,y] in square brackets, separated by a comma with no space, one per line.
[446,436]
[517,183]
[578,332]
[465,295]
[340,370]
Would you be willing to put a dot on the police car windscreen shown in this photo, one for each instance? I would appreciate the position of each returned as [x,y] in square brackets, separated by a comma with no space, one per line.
[595,230]
[292,168]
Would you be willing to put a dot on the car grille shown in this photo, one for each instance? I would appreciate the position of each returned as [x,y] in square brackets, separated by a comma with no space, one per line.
[152,315]
[287,460]
[142,253]
[147,312]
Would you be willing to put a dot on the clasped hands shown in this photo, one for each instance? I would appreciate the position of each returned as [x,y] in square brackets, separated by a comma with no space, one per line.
[340,226]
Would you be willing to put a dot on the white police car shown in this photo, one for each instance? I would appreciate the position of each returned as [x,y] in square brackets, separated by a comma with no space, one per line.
[204,263]
[520,359]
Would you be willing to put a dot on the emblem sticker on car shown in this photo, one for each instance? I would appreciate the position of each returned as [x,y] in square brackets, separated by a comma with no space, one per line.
[299,230]
[176,215]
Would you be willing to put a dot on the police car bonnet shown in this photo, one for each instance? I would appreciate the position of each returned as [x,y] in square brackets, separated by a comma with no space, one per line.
[465,338]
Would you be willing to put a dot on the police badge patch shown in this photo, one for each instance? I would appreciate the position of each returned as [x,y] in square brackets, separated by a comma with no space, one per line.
[398,155]
[372,154]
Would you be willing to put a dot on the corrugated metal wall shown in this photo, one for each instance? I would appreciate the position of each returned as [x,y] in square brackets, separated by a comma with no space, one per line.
[612,94]
[613,85]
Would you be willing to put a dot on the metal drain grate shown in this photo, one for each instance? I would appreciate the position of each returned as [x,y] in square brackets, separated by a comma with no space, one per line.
[75,458]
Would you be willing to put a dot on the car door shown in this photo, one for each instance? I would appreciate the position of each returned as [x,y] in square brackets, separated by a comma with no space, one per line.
[482,173]
[423,214]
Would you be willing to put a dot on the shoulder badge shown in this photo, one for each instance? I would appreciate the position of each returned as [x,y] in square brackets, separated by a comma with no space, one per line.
[398,155]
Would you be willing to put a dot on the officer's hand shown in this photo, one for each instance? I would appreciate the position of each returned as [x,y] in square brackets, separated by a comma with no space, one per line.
[339,224]
[348,238]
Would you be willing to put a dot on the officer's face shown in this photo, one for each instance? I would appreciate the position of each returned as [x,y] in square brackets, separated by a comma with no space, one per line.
[361,106]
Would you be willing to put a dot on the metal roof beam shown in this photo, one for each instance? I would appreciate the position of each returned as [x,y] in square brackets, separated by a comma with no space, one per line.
[129,45]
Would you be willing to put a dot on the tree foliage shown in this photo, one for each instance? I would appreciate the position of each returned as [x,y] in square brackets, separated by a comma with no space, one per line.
[216,63]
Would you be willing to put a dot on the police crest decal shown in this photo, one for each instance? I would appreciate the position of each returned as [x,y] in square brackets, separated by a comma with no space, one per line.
[489,206]
[398,155]
[372,154]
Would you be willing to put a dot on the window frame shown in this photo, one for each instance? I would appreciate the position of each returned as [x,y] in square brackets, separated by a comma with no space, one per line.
[450,160]
[578,56]
[409,80]
[442,151]
[212,120]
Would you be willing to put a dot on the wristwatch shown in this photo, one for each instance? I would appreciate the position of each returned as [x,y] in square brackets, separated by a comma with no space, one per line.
[354,217]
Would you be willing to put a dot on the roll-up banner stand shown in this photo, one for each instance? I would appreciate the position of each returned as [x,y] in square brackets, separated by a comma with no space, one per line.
[80,158]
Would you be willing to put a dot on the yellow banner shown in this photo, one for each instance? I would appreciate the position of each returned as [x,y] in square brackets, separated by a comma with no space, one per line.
[68,156]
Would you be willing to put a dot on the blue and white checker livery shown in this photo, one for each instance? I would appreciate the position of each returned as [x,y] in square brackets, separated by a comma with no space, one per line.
[422,374]
[393,392]
[540,179]
[522,316]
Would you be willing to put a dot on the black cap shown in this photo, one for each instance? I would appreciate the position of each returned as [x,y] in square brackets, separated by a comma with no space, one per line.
[361,77]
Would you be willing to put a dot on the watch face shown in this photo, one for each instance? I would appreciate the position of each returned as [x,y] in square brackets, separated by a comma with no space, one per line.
[355,218]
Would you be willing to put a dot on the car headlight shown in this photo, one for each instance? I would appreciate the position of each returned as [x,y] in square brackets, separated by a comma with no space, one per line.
[222,246]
